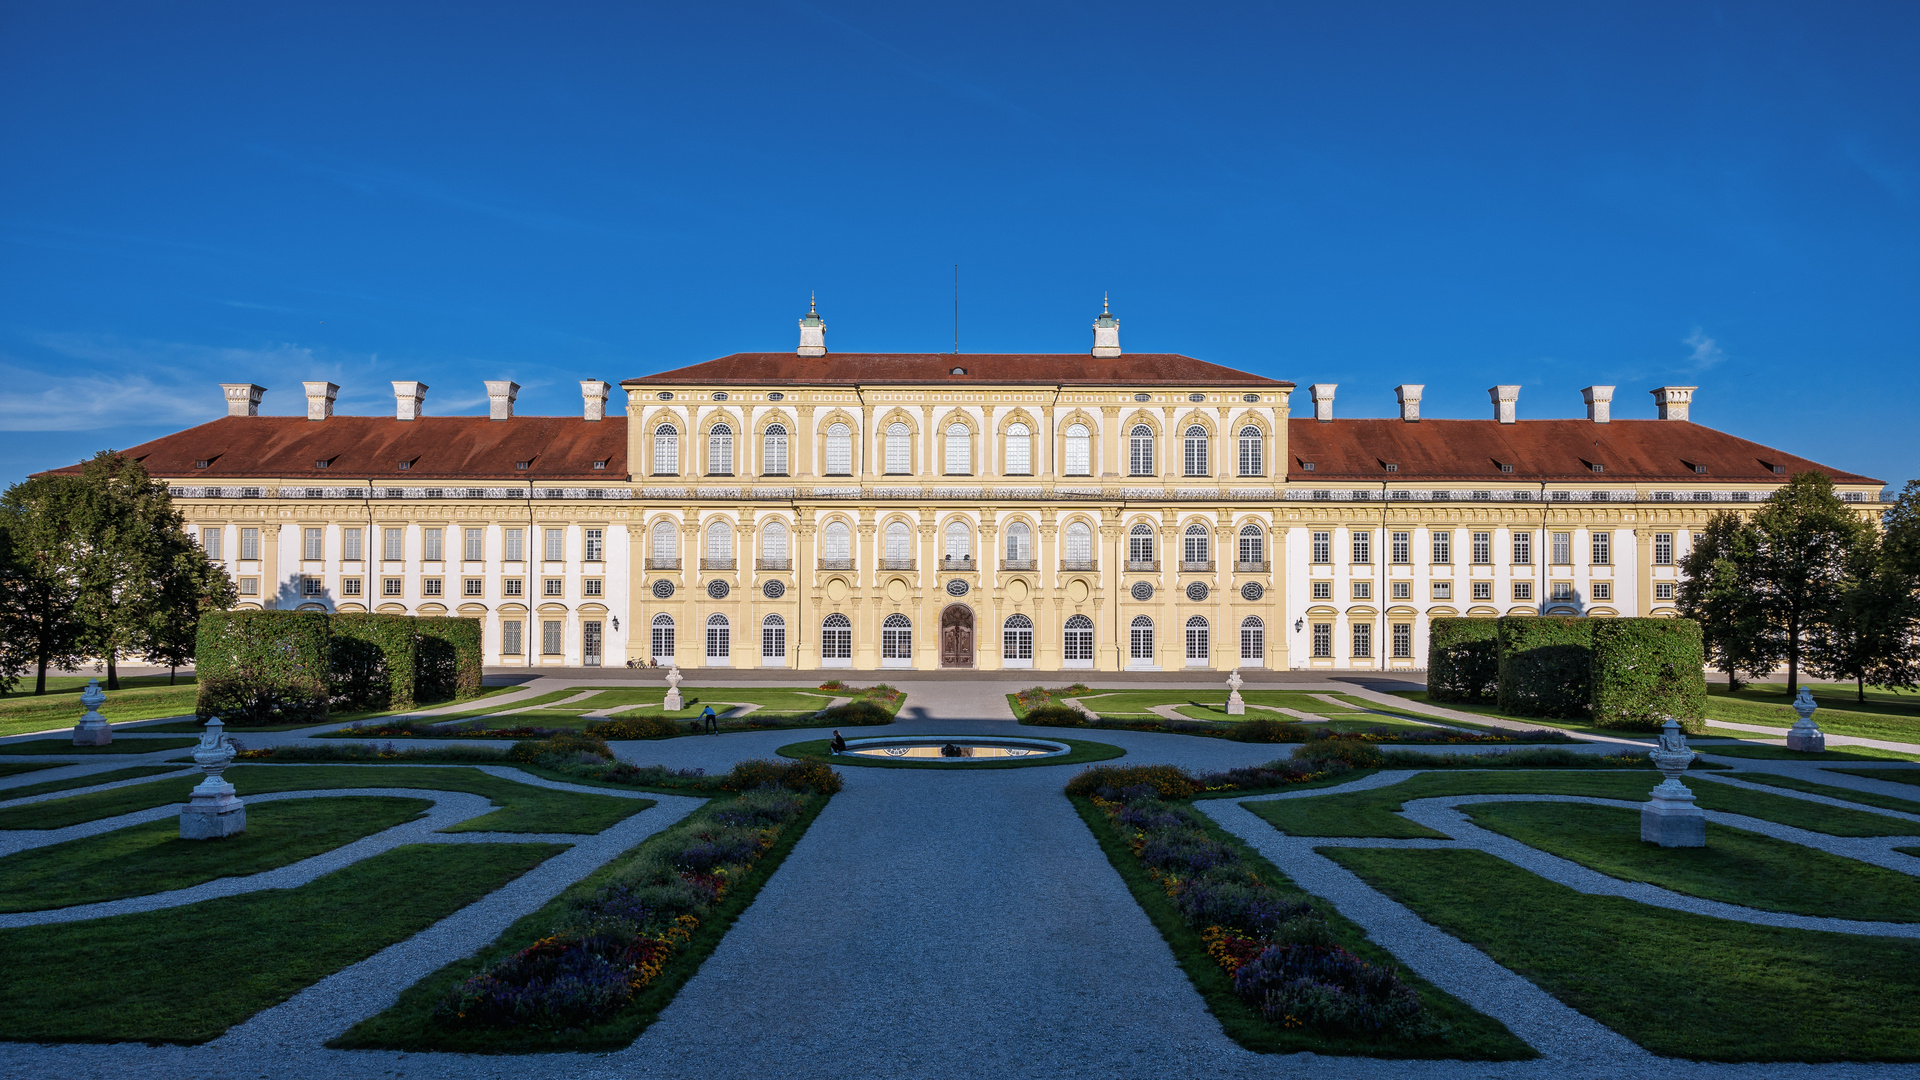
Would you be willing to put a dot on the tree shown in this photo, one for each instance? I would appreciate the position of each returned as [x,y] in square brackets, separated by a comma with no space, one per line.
[1901,521]
[41,594]
[1716,592]
[1806,541]
[1871,631]
[188,587]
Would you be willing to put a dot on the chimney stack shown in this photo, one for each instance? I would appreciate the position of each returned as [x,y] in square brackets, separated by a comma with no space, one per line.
[1506,402]
[593,395]
[409,400]
[813,331]
[243,398]
[1106,332]
[320,397]
[500,395]
[1674,401]
[1322,400]
[1409,395]
[1599,403]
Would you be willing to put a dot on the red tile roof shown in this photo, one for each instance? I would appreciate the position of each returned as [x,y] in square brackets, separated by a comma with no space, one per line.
[1551,450]
[895,369]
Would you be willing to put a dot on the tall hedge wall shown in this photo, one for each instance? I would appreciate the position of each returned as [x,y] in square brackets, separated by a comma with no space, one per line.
[449,657]
[374,661]
[1463,660]
[1645,670]
[263,667]
[1546,665]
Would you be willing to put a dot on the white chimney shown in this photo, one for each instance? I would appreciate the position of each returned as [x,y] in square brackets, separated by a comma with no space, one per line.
[243,398]
[1106,333]
[1409,395]
[1673,401]
[1599,403]
[500,395]
[1506,400]
[409,400]
[320,397]
[1322,400]
[813,332]
[593,395]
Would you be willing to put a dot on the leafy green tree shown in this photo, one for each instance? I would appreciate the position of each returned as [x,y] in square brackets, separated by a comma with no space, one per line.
[1806,542]
[1716,592]
[1902,524]
[40,619]
[1871,631]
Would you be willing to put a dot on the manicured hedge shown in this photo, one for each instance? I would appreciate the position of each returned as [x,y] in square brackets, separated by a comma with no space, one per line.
[1463,660]
[1645,670]
[449,657]
[1546,665]
[263,667]
[374,661]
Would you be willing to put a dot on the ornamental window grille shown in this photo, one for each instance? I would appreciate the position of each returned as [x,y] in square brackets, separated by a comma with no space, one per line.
[666,450]
[896,638]
[1193,545]
[1523,590]
[1322,547]
[773,451]
[1602,548]
[662,644]
[1443,547]
[1323,590]
[1483,590]
[1663,590]
[1253,545]
[1079,451]
[837,543]
[552,636]
[1252,456]
[959,450]
[839,450]
[836,638]
[719,543]
[773,638]
[1402,640]
[1194,452]
[1140,451]
[434,546]
[1140,639]
[720,450]
[899,448]
[1253,641]
[1199,645]
[1019,459]
[1140,544]
[510,637]
[1322,639]
[719,638]
[556,545]
[897,545]
[1019,542]
[1362,640]
[1077,643]
[1016,638]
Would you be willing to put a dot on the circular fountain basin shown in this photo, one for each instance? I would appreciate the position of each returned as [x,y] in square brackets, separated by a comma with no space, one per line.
[939,749]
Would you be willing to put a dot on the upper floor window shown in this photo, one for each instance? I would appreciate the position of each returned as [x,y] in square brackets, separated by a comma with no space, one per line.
[839,450]
[1253,545]
[899,448]
[1019,542]
[1079,543]
[1193,545]
[1019,460]
[1079,451]
[1602,548]
[773,540]
[1140,544]
[474,541]
[1140,451]
[837,542]
[897,545]
[666,546]
[719,542]
[1482,548]
[959,450]
[1194,463]
[1522,548]
[666,450]
[773,458]
[1252,457]
[1362,546]
[593,544]
[959,541]
[720,451]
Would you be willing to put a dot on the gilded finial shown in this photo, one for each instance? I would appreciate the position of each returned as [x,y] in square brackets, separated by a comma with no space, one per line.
[813,307]
[1103,304]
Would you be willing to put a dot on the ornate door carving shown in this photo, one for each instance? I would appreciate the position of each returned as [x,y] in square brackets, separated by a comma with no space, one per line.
[956,637]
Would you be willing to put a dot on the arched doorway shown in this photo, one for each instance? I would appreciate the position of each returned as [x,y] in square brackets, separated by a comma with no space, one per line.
[956,637]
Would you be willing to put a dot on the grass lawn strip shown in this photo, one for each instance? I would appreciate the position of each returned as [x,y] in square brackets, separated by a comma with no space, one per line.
[1897,776]
[124,746]
[1679,984]
[11,768]
[1372,813]
[137,699]
[151,858]
[523,807]
[1473,1035]
[90,780]
[409,1025]
[185,975]
[1083,752]
[1736,866]
[1864,798]
[1764,752]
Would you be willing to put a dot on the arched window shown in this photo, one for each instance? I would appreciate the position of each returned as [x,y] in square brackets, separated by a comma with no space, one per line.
[1140,640]
[1019,461]
[1077,646]
[899,448]
[1253,548]
[1016,638]
[898,549]
[1193,547]
[1020,543]
[836,638]
[1140,547]
[839,450]
[719,554]
[959,451]
[1199,650]
[719,640]
[896,638]
[1140,451]
[773,638]
[1195,461]
[774,553]
[1079,546]
[1252,460]
[836,546]
[666,450]
[959,549]
[1253,641]
[663,638]
[666,546]
[773,455]
[1079,451]
[720,450]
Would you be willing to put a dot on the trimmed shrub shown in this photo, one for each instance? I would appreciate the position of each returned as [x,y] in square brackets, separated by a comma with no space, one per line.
[449,658]
[801,776]
[1169,781]
[1267,730]
[263,667]
[1056,716]
[565,747]
[1644,670]
[373,661]
[1463,660]
[635,727]
[1355,752]
[1546,665]
[853,713]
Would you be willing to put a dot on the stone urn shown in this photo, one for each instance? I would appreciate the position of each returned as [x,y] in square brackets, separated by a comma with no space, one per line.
[672,704]
[1235,706]
[213,810]
[1805,736]
[1670,819]
[92,730]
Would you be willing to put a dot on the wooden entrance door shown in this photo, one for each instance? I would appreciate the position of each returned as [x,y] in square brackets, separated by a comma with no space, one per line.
[956,637]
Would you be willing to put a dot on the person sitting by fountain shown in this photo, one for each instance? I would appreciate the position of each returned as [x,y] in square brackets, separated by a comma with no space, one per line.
[711,721]
[952,750]
[839,743]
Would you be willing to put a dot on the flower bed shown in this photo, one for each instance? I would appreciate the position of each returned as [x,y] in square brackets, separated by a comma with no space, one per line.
[1263,730]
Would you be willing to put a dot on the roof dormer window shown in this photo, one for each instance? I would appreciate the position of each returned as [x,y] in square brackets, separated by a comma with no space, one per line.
[957,371]
[1306,466]
[1393,466]
[203,463]
[1505,466]
[1596,466]
[521,466]
[600,465]
[405,465]
[323,463]
[1700,470]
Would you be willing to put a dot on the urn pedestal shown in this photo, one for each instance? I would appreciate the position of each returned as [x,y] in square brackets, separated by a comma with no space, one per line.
[1670,819]
[672,703]
[1806,736]
[92,730]
[213,810]
[1235,706]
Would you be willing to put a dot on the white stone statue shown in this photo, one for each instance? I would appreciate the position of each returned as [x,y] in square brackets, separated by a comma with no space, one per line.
[1806,735]
[672,704]
[1235,706]
[1670,819]
[92,730]
[213,810]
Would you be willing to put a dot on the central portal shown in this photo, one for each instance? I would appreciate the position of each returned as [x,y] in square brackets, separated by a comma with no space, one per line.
[956,637]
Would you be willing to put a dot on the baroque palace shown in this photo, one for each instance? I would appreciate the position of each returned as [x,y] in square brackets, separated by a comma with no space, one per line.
[930,510]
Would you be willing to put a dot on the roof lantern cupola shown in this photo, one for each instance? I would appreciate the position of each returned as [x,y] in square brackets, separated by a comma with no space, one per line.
[1106,332]
[813,331]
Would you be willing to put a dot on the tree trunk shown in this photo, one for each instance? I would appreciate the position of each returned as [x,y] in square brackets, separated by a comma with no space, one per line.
[171,668]
[113,673]
[40,682]
[1860,689]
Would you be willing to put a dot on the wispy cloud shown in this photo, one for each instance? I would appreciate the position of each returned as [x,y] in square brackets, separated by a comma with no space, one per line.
[1706,351]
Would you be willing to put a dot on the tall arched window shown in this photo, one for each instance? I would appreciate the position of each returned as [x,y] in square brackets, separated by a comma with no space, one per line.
[774,553]
[1020,545]
[1140,547]
[959,450]
[1199,648]
[1253,548]
[1077,644]
[662,638]
[1079,451]
[959,548]
[773,638]
[1016,639]
[1193,547]
[836,639]
[1140,640]
[1079,546]
[839,450]
[836,544]
[719,555]
[1252,459]
[896,640]
[773,456]
[1253,641]
[719,640]
[720,450]
[1019,460]
[666,450]
[1140,451]
[666,547]
[899,449]
[898,548]
[1195,461]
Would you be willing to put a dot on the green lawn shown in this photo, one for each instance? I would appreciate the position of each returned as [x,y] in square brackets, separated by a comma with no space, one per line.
[185,975]
[1083,752]
[195,726]
[1864,798]
[152,858]
[1897,776]
[1371,812]
[1577,726]
[1884,715]
[1736,866]
[1126,704]
[89,780]
[1767,752]
[523,807]
[1679,984]
[11,768]
[140,698]
[118,746]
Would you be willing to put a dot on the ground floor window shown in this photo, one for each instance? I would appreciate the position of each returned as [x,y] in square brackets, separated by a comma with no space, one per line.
[836,638]
[1403,639]
[1199,644]
[550,637]
[1362,640]
[1078,644]
[510,637]
[719,638]
[663,637]
[896,638]
[1322,639]
[773,638]
[1253,641]
[1017,638]
[1140,639]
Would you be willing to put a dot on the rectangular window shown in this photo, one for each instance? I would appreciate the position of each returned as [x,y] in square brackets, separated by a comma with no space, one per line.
[1323,590]
[1403,590]
[1400,547]
[1443,547]
[552,586]
[1483,590]
[1602,549]
[1523,590]
[1322,639]
[310,586]
[514,587]
[390,586]
[556,545]
[596,543]
[1662,549]
[1443,590]
[1663,590]
[432,586]
[1079,459]
[550,639]
[1522,549]
[210,542]
[773,641]
[1362,640]
[351,548]
[436,548]
[1402,640]
[1603,590]
[350,586]
[1323,547]
[510,637]
[1363,590]
[393,544]
[1251,463]
[473,586]
[249,545]
[249,586]
[313,544]
[1562,549]
[475,543]
[1363,546]
[1483,547]
[516,545]
[592,587]
[1562,591]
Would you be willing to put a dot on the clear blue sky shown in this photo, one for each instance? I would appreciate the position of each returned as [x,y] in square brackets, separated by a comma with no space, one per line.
[1453,194]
